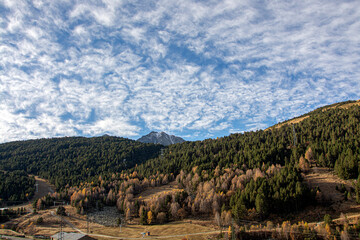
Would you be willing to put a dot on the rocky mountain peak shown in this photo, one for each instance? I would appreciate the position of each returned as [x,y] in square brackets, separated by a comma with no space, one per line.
[160,138]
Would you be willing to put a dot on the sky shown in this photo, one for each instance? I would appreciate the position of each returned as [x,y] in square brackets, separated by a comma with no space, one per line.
[195,69]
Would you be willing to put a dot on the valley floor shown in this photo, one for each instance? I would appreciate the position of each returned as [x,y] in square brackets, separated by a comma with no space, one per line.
[197,229]
[339,207]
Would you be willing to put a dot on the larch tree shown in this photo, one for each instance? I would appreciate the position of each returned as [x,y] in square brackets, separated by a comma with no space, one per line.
[150,217]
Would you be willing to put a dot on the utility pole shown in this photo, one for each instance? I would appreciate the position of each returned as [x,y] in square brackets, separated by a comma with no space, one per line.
[61,237]
[87,224]
[120,222]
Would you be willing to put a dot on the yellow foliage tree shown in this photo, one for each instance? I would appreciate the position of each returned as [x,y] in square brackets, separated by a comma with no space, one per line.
[149,217]
[83,192]
[328,230]
[306,225]
[128,214]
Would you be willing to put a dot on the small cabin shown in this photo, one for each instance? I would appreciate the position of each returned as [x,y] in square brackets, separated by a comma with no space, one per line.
[70,236]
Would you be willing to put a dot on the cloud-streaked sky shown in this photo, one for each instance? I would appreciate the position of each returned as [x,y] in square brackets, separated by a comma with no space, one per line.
[196,69]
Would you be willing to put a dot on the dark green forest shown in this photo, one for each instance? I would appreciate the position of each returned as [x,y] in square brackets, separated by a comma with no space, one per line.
[334,137]
[71,160]
[15,187]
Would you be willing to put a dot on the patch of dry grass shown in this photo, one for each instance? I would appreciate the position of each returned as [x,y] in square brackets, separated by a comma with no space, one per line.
[154,192]
[178,229]
[293,121]
[51,225]
[345,106]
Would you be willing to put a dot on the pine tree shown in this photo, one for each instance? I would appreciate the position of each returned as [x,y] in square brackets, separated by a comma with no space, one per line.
[142,215]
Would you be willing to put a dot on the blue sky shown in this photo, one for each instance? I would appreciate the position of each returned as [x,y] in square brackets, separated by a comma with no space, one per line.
[196,69]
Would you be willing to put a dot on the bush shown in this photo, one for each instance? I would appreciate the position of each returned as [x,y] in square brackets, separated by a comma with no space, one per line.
[327,219]
[61,211]
[40,220]
[161,217]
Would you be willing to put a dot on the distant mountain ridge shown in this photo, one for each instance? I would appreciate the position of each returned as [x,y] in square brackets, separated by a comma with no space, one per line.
[160,138]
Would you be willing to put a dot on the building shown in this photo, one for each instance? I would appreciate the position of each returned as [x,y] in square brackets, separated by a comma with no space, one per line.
[71,236]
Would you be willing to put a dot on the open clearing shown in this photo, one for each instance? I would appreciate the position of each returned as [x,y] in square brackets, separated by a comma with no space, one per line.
[154,192]
[176,229]
[194,229]
[327,182]
[293,121]
[44,187]
[345,106]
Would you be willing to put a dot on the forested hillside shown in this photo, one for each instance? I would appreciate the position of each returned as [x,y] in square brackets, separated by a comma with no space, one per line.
[332,138]
[69,161]
[15,187]
[257,173]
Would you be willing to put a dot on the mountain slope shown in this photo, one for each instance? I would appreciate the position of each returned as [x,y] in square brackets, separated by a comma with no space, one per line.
[160,138]
[332,133]
[72,160]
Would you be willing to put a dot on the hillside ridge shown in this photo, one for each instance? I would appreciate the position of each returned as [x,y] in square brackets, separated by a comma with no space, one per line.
[343,105]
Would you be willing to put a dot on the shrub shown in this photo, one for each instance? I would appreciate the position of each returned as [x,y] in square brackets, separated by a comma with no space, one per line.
[40,220]
[61,211]
[327,219]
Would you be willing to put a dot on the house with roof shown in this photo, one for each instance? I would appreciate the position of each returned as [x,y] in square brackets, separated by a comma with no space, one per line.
[70,236]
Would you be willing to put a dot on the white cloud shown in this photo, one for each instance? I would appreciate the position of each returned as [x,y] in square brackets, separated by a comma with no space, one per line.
[134,33]
[89,68]
[119,127]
